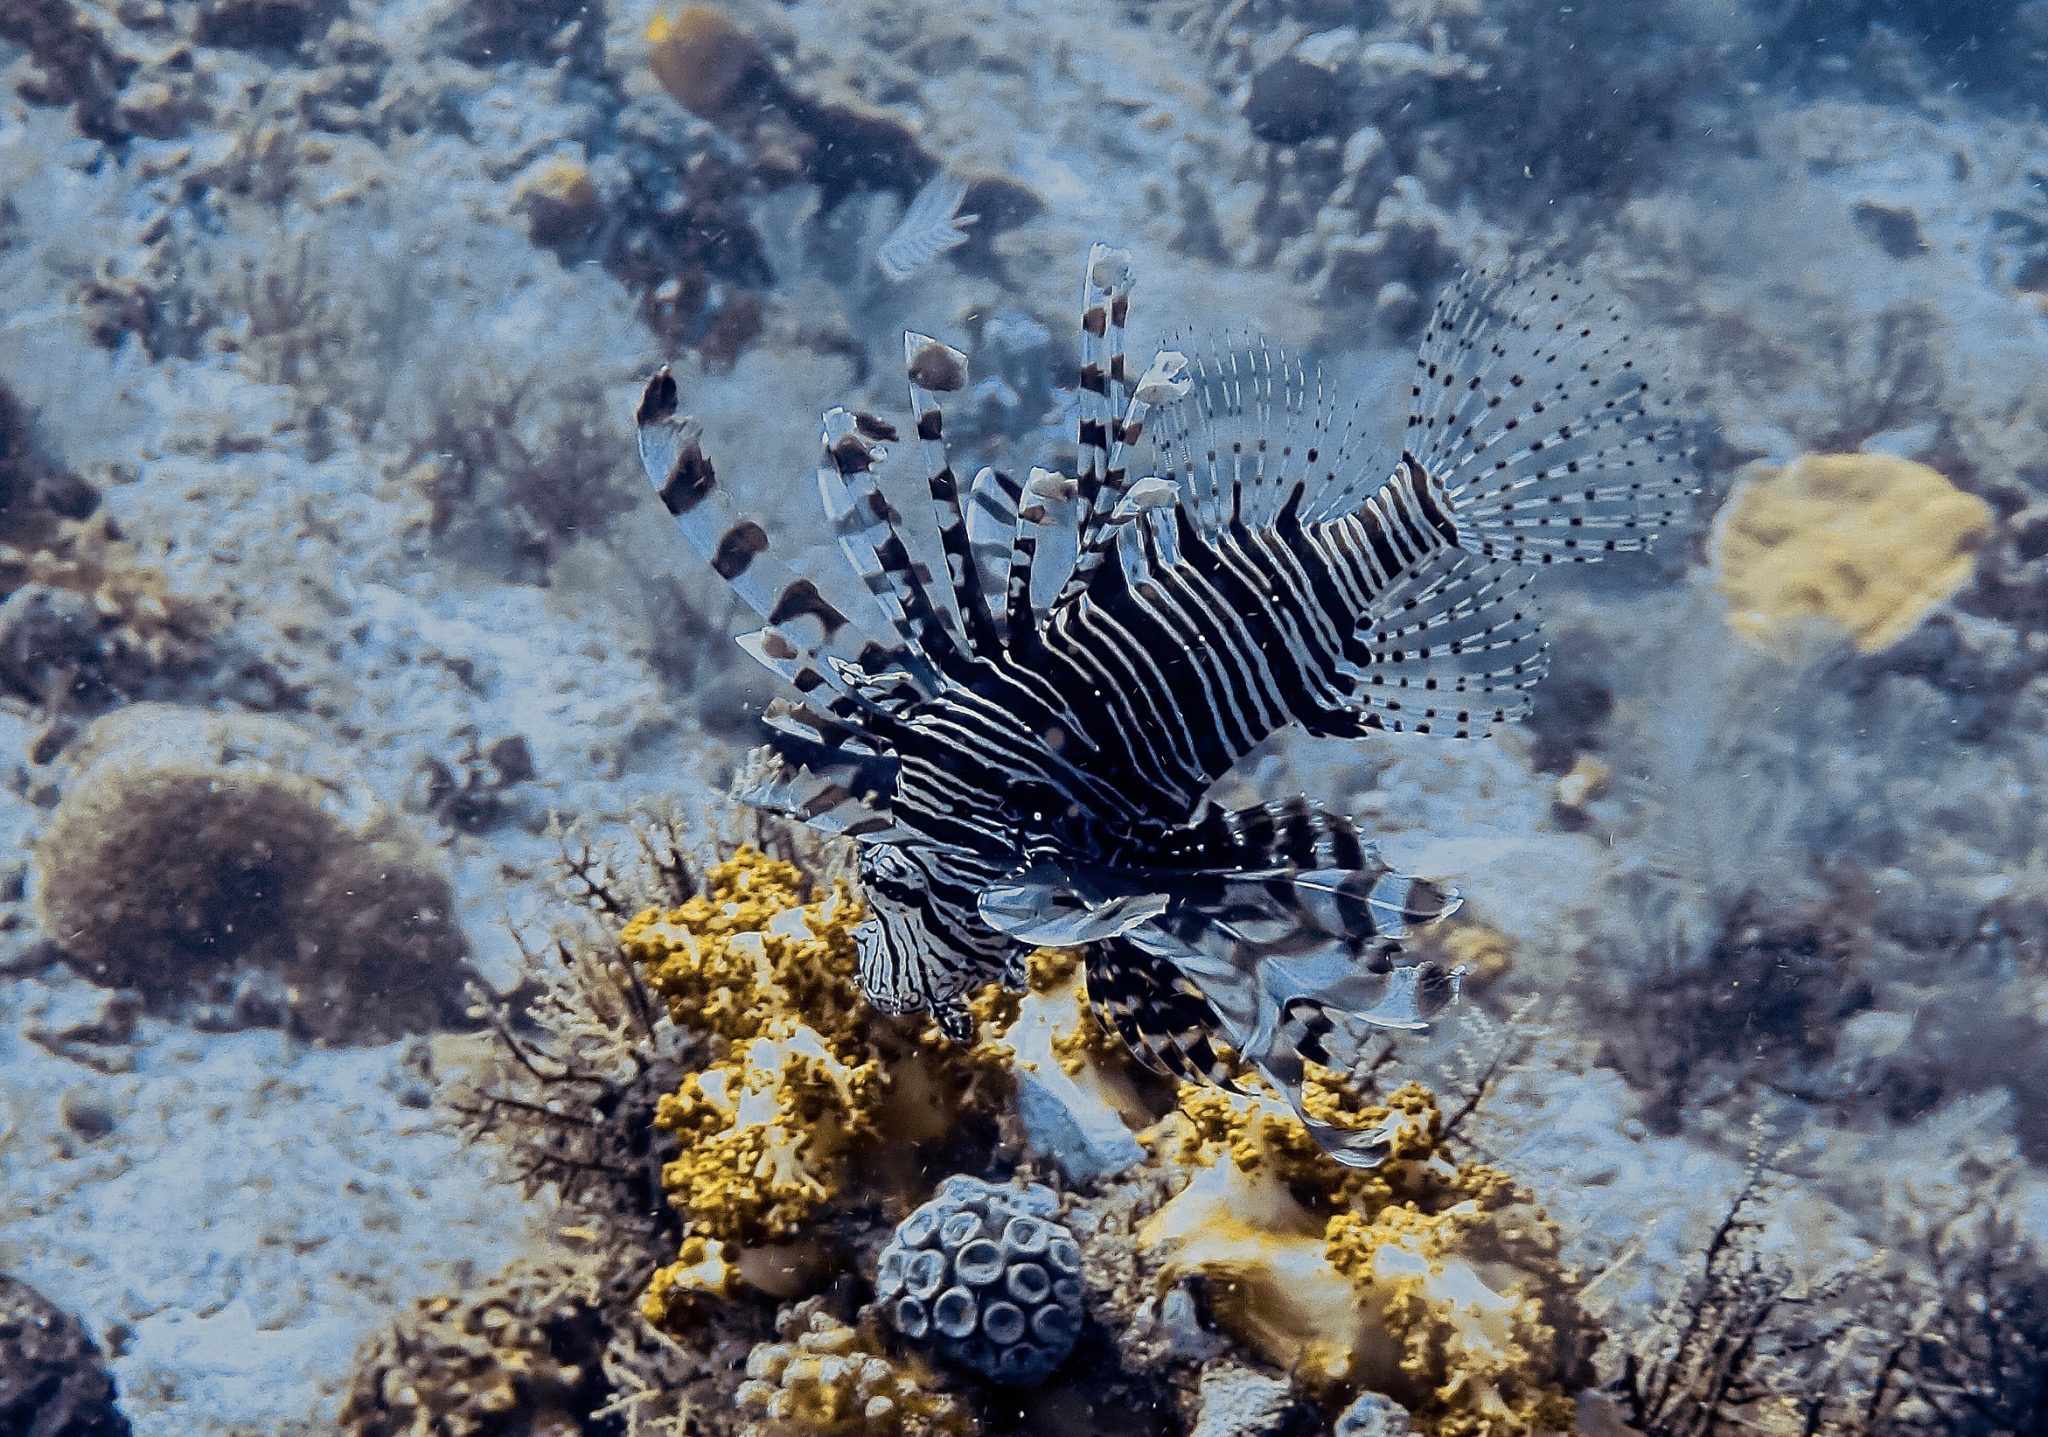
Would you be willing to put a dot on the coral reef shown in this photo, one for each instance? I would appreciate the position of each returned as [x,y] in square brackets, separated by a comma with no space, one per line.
[520,1356]
[53,1382]
[715,69]
[767,1078]
[1868,541]
[1362,177]
[511,483]
[89,621]
[988,1276]
[1434,1281]
[232,864]
[1977,1359]
[310,404]
[826,1379]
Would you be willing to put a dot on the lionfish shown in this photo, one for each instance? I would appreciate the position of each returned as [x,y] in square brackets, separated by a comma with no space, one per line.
[1024,749]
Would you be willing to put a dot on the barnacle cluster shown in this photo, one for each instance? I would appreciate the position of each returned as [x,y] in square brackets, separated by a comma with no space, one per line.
[797,1080]
[1435,1281]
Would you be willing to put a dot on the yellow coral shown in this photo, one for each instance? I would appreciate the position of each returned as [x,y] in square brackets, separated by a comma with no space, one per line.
[1258,1132]
[826,1379]
[1435,1281]
[700,1271]
[1473,1305]
[1482,950]
[1267,1272]
[1054,1035]
[561,181]
[750,948]
[799,1078]
[1869,541]
[764,1135]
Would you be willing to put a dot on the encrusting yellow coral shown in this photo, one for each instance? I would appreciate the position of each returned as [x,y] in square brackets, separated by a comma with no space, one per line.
[800,1075]
[1869,541]
[1434,1281]
[826,1379]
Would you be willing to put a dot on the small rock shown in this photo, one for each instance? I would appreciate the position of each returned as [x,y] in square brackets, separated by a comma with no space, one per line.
[1084,1137]
[47,636]
[1180,1324]
[1374,1415]
[87,1113]
[53,1381]
[1237,1402]
[1894,229]
[1292,100]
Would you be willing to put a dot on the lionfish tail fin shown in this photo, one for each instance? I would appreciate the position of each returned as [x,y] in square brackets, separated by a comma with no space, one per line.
[1532,413]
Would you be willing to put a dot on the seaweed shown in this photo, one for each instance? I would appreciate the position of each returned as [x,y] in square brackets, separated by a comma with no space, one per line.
[1743,1339]
[1978,1355]
[1761,1001]
[583,1056]
[503,490]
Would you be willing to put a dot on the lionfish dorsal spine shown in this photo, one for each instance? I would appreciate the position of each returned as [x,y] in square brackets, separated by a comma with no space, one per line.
[931,369]
[992,501]
[870,533]
[808,638]
[1116,503]
[1042,551]
[1105,306]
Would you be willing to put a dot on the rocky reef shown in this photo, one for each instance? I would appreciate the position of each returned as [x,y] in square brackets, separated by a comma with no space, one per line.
[371,1061]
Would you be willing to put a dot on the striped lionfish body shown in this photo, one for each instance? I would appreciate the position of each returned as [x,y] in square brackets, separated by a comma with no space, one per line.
[1023,747]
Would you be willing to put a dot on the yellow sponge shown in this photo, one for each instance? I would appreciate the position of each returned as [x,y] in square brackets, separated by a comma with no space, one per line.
[1869,541]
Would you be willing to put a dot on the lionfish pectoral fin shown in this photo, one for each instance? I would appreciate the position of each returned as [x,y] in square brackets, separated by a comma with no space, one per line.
[1453,650]
[1297,911]
[1353,1147]
[1164,1019]
[955,1019]
[1361,905]
[1415,994]
[1038,909]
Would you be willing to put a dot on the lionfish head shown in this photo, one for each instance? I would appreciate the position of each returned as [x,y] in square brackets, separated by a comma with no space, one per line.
[902,959]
